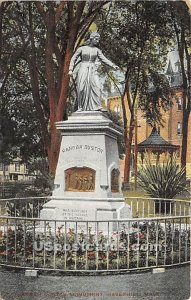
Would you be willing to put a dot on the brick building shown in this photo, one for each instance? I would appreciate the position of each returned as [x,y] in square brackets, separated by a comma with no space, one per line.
[172,130]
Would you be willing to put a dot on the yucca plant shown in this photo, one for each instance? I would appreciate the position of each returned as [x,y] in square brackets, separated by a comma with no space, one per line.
[165,180]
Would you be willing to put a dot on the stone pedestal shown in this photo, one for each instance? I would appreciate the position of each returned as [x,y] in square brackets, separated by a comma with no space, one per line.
[87,181]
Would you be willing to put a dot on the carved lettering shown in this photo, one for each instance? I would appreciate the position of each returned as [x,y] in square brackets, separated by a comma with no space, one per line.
[74,214]
[83,147]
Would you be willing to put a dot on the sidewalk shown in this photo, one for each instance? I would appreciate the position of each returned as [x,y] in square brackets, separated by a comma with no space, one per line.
[174,284]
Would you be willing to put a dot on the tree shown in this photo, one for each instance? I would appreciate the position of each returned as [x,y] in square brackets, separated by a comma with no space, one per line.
[38,40]
[140,38]
[180,20]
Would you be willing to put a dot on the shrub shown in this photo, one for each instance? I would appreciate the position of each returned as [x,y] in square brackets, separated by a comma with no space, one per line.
[165,180]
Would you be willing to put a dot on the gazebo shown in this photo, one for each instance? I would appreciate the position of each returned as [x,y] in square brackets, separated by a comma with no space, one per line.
[156,144]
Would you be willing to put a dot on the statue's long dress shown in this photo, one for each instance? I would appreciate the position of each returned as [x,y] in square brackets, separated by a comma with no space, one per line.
[88,85]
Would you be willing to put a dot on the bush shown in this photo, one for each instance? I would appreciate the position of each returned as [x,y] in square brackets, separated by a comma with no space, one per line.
[165,180]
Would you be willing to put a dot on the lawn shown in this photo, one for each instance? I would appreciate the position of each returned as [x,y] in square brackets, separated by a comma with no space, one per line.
[146,208]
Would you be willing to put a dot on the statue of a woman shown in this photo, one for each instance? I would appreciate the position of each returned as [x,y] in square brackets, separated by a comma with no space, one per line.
[88,85]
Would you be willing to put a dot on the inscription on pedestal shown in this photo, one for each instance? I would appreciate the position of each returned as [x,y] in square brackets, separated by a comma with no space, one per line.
[80,179]
[115,181]
[83,147]
[75,214]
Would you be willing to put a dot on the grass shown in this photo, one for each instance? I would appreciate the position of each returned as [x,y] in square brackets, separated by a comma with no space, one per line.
[145,208]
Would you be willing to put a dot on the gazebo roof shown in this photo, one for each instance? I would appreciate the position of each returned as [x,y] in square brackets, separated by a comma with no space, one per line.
[156,143]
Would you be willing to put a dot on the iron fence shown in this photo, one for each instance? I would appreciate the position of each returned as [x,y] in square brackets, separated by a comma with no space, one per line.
[23,207]
[139,207]
[142,242]
[152,207]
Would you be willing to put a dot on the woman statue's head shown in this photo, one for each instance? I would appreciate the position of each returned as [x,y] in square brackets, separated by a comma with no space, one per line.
[94,38]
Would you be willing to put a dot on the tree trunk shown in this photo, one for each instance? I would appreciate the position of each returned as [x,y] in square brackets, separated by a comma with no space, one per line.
[185,120]
[54,150]
[128,153]
[128,134]
[58,100]
[33,70]
[36,98]
[58,90]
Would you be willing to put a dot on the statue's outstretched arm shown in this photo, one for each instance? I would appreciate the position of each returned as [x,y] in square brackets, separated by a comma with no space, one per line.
[105,60]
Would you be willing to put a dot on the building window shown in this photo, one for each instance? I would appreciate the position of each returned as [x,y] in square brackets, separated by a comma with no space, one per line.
[117,109]
[179,128]
[178,153]
[179,103]
[1,166]
[15,177]
[4,167]
[17,167]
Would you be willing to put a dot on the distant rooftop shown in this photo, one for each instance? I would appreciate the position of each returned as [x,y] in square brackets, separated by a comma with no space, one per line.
[173,69]
[156,143]
[114,94]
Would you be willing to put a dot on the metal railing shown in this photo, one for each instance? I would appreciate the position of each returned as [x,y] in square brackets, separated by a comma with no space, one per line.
[139,207]
[27,241]
[151,207]
[23,207]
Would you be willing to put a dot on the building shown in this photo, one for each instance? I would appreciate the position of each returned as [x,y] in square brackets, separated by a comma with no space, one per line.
[172,130]
[15,171]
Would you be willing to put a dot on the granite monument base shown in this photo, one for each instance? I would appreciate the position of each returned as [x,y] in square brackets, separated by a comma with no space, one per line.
[86,212]
[87,180]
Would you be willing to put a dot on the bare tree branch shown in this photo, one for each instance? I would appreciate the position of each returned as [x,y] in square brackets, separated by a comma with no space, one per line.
[41,10]
[59,11]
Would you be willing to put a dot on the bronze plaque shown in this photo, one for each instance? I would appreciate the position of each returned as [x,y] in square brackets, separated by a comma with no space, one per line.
[80,179]
[115,180]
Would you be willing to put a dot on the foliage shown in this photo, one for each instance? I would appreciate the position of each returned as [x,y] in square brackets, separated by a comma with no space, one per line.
[20,127]
[141,38]
[165,180]
[43,180]
[37,40]
[155,98]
